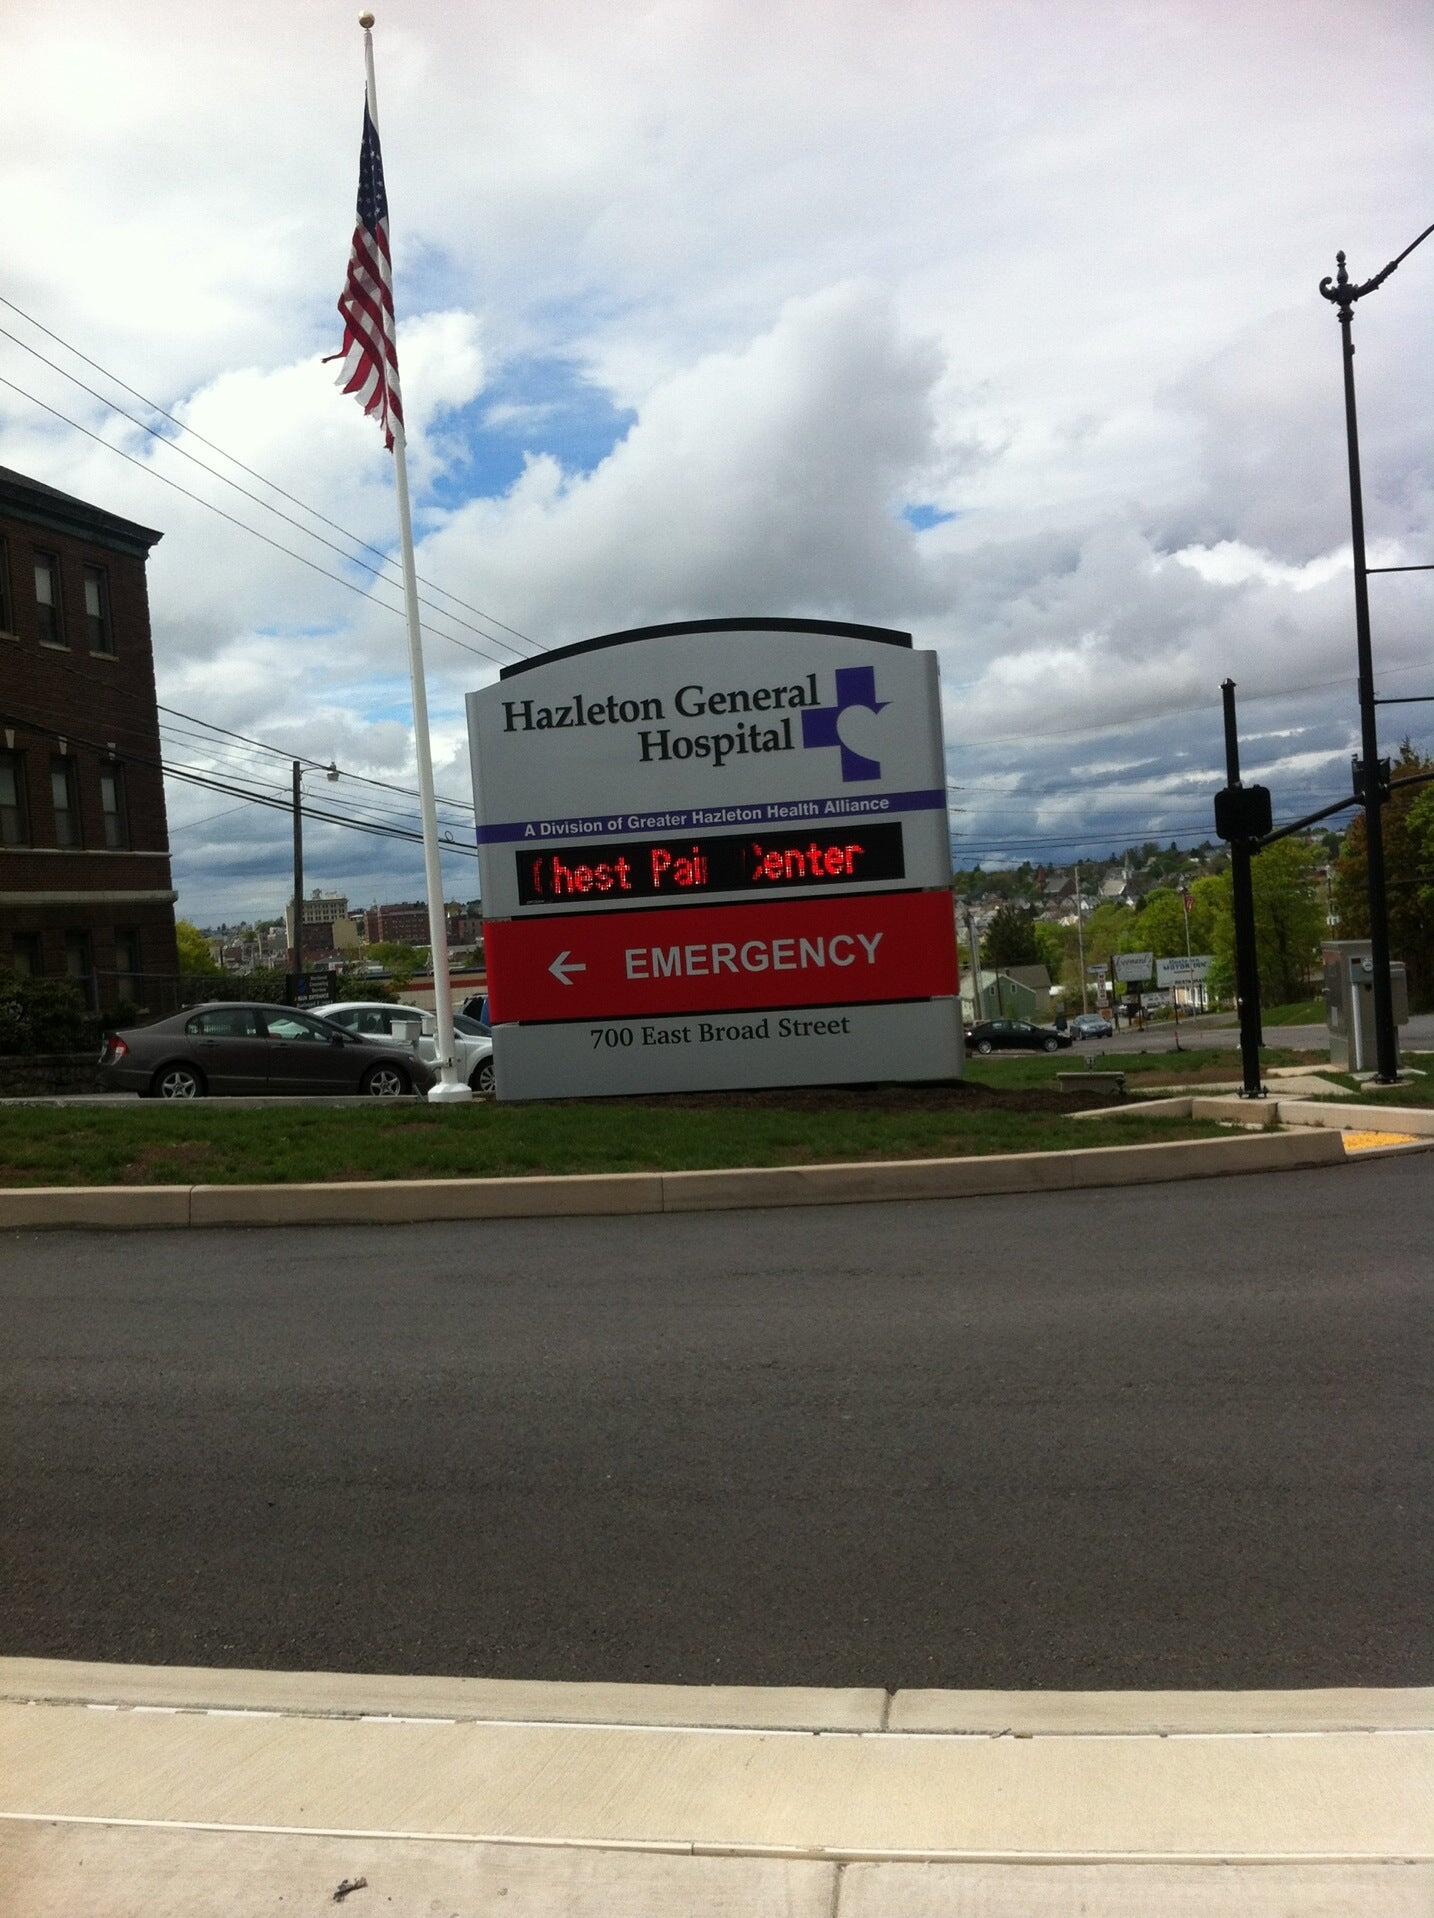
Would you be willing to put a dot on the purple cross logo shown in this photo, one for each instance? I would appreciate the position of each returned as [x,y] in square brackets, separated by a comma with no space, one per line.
[821,725]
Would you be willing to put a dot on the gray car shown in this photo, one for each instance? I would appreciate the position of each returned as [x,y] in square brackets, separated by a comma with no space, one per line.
[237,1047]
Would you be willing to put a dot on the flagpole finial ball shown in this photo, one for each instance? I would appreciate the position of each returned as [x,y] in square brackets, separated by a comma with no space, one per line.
[365,21]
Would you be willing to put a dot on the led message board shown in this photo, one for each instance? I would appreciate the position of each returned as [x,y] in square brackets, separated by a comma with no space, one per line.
[692,868]
[720,818]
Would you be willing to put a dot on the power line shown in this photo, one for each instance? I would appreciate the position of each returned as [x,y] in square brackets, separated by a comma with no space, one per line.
[185,825]
[409,792]
[110,690]
[233,458]
[1036,737]
[436,632]
[276,801]
[256,498]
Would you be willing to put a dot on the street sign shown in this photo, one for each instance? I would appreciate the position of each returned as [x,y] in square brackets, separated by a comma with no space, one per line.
[715,817]
[1132,968]
[1183,971]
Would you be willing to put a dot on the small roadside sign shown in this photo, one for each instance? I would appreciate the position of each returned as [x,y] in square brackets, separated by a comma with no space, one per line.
[1133,968]
[1184,971]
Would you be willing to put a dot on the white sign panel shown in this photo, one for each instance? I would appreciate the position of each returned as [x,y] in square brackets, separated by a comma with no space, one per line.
[763,806]
[824,1045]
[1131,968]
[1183,972]
[598,769]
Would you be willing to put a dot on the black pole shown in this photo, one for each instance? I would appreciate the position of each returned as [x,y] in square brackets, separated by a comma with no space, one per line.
[1385,1050]
[1343,294]
[296,960]
[1247,970]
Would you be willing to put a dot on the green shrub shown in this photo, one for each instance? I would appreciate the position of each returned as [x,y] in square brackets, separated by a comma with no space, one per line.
[43,1015]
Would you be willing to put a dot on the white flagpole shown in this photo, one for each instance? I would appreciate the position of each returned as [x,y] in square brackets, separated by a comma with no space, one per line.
[451,1085]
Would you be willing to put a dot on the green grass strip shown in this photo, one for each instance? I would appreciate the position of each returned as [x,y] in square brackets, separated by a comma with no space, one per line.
[143,1144]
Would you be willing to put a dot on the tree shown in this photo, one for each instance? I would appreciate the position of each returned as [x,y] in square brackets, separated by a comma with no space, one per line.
[400,960]
[1409,878]
[1104,930]
[1159,927]
[1289,921]
[1051,948]
[195,958]
[1010,939]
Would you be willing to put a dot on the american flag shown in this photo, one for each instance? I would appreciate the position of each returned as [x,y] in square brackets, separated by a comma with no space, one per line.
[370,349]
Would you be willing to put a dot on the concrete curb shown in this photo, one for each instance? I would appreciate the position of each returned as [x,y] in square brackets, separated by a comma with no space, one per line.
[796,1708]
[418,1201]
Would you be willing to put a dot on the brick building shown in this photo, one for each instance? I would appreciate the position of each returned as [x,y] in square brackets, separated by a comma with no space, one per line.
[405,924]
[84,845]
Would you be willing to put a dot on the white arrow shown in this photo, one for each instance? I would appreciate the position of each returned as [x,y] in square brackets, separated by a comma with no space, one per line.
[564,966]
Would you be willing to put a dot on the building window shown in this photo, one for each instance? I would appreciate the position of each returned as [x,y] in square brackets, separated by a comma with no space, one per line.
[127,965]
[112,805]
[49,614]
[7,611]
[97,610]
[25,956]
[64,796]
[77,954]
[14,815]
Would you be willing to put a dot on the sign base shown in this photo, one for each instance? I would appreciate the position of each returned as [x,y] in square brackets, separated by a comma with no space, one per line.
[723,1051]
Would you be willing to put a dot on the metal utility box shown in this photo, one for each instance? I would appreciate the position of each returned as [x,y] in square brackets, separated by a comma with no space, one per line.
[1349,1002]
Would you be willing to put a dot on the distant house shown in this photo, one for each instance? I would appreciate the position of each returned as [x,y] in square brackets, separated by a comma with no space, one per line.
[1015,992]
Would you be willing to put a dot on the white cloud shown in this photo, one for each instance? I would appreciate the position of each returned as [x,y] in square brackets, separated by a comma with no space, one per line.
[1053,273]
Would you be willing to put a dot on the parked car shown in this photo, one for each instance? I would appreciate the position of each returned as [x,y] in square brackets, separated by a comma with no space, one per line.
[1091,1025]
[1002,1035]
[415,1029]
[237,1047]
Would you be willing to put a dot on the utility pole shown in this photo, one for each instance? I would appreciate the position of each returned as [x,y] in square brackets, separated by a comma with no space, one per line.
[296,946]
[1371,787]
[1080,943]
[1239,823]
[976,997]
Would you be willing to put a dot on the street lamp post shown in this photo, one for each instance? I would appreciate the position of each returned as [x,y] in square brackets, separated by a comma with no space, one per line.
[1343,293]
[296,949]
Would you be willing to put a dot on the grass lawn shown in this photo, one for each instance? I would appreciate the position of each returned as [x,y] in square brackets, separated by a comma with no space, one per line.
[1300,1012]
[1418,1092]
[143,1144]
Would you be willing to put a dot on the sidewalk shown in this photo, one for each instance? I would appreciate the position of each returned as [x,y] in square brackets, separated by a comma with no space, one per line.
[146,1790]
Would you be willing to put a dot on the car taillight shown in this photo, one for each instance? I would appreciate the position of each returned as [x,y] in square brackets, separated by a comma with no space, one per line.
[115,1048]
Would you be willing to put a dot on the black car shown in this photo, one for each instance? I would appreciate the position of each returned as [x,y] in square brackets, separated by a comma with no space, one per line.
[1015,1035]
[237,1047]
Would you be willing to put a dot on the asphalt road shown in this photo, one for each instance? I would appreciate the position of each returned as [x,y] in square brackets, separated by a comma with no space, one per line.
[1162,1438]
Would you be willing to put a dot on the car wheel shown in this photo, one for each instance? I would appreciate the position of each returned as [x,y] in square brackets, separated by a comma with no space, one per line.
[178,1082]
[1052,1045]
[983,1045]
[385,1082]
[482,1080]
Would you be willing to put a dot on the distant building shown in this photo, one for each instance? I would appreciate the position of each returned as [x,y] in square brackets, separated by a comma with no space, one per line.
[404,924]
[328,928]
[85,886]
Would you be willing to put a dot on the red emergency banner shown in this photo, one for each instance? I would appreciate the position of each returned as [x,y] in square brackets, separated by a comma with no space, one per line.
[799,952]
